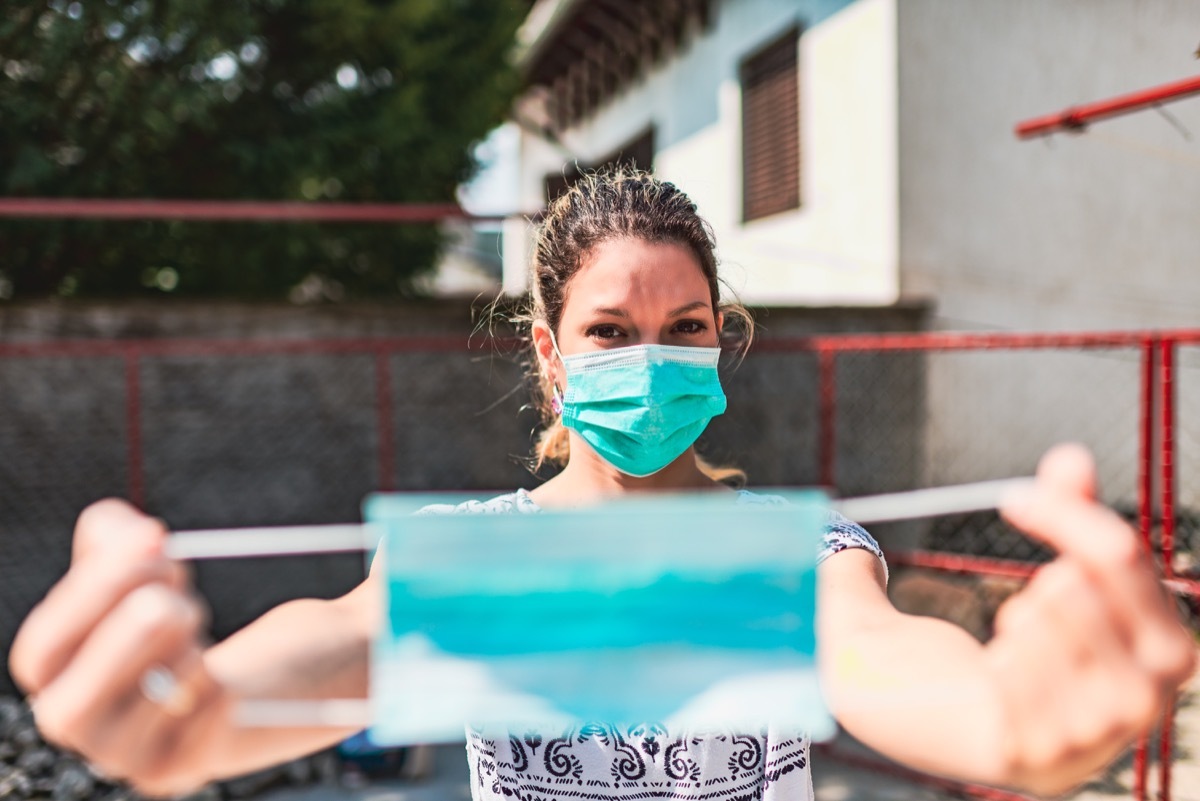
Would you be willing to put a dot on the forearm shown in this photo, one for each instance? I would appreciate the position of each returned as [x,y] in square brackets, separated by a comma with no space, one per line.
[918,690]
[306,649]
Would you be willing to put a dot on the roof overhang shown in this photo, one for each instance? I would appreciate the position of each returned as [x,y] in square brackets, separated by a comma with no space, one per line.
[576,54]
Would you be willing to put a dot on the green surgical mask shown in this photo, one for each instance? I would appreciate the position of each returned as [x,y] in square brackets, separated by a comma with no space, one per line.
[642,406]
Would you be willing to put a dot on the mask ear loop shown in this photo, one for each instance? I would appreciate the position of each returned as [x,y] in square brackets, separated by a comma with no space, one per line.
[556,397]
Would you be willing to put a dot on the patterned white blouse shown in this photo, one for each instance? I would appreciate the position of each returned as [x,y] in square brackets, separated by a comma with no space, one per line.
[600,761]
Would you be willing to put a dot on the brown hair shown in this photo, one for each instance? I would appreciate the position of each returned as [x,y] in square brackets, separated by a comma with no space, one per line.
[619,203]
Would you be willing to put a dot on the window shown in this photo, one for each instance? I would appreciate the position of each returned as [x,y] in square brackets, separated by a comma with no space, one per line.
[771,128]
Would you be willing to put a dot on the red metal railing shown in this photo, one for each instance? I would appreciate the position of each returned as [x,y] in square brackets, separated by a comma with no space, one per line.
[1078,117]
[233,210]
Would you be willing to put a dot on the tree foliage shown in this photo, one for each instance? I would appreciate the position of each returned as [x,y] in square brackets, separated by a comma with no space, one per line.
[349,100]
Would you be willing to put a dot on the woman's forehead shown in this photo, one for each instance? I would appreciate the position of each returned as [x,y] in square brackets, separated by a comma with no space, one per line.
[623,271]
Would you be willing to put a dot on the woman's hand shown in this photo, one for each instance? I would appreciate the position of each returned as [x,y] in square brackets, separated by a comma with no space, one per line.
[119,628]
[1087,654]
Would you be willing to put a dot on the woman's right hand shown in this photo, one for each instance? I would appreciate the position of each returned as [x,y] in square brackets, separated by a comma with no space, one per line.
[123,612]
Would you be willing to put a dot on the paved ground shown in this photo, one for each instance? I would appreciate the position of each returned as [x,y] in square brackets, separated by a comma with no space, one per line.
[832,780]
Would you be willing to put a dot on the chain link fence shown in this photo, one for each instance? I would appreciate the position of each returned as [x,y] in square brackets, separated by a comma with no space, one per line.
[987,414]
[241,435]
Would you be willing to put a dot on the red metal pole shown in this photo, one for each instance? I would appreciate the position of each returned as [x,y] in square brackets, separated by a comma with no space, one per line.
[80,348]
[833,343]
[1167,453]
[233,210]
[961,563]
[1164,751]
[1078,117]
[826,419]
[1167,459]
[1145,520]
[948,340]
[1146,444]
[383,416]
[133,428]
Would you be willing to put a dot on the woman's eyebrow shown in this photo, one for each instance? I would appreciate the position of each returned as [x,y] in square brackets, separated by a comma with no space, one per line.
[696,304]
[611,311]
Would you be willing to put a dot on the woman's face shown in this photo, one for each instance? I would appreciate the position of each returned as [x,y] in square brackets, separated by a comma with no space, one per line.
[633,292]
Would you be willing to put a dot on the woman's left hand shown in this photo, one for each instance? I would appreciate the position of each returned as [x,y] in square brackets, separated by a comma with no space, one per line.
[1088,653]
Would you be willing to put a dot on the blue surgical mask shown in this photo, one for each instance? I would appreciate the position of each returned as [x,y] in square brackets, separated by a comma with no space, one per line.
[640,407]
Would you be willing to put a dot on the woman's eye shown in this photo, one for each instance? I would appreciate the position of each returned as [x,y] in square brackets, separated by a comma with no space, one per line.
[690,327]
[604,332]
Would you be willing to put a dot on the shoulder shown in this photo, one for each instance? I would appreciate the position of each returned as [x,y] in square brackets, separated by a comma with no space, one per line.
[745,496]
[509,503]
[840,533]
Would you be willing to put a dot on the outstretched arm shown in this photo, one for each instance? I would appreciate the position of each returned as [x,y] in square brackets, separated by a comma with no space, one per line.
[1083,659]
[123,609]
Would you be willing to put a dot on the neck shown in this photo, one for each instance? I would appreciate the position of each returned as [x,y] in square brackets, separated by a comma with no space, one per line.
[587,478]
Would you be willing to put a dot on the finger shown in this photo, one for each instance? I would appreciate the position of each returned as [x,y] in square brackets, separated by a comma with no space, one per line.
[146,733]
[149,626]
[1069,468]
[1076,527]
[116,526]
[1109,550]
[1072,606]
[55,628]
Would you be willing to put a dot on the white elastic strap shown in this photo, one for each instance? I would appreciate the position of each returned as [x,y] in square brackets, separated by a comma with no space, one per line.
[248,542]
[933,502]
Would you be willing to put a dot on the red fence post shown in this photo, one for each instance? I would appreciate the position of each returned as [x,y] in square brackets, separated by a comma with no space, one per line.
[1167,464]
[1146,444]
[133,427]
[826,439]
[1167,452]
[1145,519]
[383,416]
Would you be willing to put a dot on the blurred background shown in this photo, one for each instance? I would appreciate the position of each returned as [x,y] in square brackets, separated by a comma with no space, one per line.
[260,258]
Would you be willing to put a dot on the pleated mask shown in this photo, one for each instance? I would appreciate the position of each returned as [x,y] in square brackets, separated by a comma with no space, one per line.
[642,406]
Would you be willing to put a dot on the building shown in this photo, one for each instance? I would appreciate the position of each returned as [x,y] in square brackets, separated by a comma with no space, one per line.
[862,153]
[856,152]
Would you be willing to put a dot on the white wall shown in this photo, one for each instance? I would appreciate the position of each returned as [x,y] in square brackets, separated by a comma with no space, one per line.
[1099,230]
[840,247]
[1079,232]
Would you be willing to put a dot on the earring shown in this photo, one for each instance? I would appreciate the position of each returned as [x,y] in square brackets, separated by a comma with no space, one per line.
[556,403]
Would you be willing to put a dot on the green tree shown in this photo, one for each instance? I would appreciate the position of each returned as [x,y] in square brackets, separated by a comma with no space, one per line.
[351,100]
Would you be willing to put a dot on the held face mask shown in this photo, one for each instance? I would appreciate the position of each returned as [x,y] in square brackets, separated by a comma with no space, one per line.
[691,610]
[642,406]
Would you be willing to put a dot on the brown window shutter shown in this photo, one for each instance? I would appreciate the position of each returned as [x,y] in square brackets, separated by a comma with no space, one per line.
[771,128]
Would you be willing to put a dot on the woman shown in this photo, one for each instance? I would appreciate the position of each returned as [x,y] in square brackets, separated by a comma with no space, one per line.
[627,307]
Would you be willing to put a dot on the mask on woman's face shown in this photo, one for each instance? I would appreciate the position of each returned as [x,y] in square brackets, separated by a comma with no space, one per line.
[640,407]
